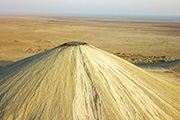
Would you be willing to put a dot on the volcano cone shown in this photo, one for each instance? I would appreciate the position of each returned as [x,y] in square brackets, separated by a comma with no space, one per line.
[77,81]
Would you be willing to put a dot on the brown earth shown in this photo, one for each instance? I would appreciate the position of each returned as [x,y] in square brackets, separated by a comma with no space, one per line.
[23,36]
[139,58]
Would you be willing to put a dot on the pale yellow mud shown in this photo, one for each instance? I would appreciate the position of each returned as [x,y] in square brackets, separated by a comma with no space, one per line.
[81,82]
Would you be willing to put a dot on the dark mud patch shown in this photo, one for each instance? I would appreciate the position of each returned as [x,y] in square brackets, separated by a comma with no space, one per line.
[172,65]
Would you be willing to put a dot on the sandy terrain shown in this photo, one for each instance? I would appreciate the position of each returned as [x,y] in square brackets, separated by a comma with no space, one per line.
[24,36]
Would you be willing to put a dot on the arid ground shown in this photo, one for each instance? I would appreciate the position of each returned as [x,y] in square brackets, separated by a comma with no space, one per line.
[23,36]
[153,45]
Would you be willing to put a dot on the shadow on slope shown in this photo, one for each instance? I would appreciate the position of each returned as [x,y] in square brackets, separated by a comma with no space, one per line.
[4,63]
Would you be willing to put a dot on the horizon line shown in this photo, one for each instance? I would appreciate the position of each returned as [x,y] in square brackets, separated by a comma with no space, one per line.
[128,16]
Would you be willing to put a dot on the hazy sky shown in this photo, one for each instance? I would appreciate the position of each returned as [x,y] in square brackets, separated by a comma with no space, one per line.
[121,7]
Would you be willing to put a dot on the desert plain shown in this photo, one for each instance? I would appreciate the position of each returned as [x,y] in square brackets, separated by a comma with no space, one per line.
[24,36]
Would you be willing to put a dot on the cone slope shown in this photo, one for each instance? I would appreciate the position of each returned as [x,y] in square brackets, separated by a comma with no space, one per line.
[81,82]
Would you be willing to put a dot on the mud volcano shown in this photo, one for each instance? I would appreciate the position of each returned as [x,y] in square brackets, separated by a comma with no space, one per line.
[77,81]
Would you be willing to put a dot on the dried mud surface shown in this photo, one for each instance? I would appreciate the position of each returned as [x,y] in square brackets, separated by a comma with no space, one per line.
[85,83]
